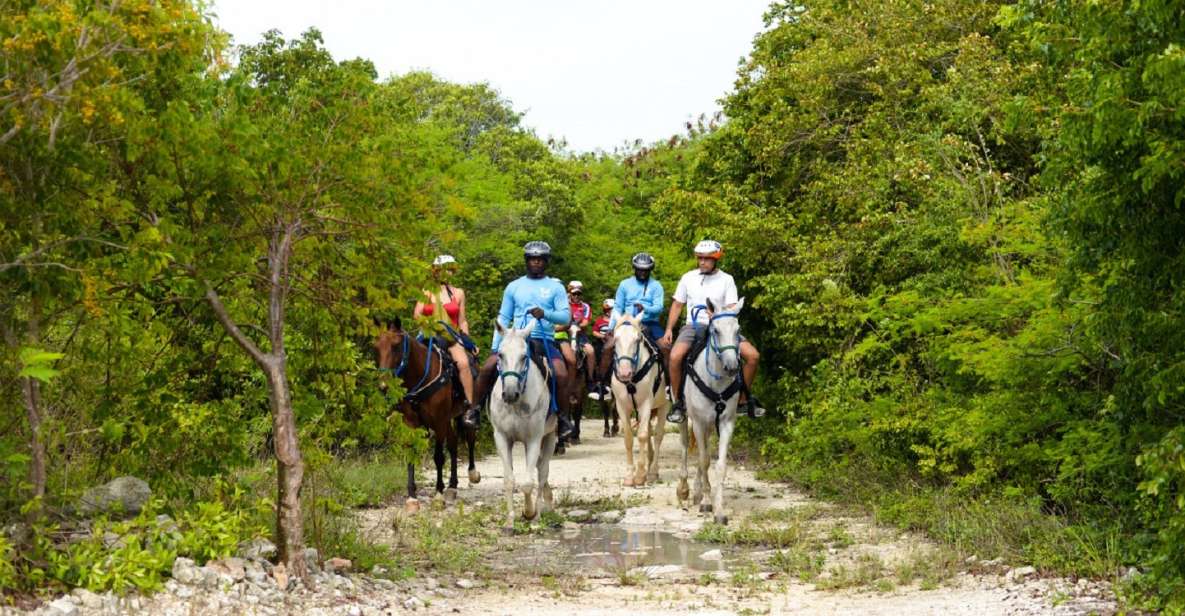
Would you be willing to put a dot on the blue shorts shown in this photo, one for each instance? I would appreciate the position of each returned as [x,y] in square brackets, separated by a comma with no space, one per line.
[653,329]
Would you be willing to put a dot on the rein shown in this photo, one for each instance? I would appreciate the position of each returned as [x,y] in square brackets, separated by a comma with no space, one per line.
[720,398]
[631,385]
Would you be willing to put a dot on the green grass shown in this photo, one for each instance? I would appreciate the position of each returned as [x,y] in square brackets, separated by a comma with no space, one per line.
[991,525]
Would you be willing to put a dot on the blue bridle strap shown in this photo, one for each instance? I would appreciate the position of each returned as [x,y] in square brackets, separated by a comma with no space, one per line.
[712,344]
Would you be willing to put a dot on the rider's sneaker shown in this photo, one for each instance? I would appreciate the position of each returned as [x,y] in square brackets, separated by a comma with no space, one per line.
[753,408]
[563,427]
[601,392]
[472,417]
[677,413]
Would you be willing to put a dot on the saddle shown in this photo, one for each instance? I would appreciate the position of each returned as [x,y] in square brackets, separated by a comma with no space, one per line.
[720,398]
[448,372]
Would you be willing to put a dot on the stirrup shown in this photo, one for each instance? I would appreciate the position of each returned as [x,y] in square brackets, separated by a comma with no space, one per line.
[753,408]
[472,417]
[677,413]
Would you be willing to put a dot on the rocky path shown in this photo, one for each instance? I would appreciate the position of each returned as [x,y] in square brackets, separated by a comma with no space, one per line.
[631,550]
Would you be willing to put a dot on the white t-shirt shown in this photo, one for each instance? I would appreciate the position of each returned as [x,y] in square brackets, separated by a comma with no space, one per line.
[695,289]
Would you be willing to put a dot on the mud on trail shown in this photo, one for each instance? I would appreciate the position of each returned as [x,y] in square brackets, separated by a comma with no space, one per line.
[610,549]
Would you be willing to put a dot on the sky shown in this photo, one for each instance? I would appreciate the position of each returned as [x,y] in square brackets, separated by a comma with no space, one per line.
[597,73]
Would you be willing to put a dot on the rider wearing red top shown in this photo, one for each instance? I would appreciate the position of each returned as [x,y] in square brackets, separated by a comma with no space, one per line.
[581,313]
[442,269]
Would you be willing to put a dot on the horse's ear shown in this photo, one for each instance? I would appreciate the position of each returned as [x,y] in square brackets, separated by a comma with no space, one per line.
[498,326]
[737,306]
[711,308]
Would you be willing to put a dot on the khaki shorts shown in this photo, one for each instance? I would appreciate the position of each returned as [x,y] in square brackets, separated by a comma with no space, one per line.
[687,335]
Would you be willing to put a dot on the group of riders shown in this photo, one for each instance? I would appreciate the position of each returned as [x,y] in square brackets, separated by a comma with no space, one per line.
[543,304]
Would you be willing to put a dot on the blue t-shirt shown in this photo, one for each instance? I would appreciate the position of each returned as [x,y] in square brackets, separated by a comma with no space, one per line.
[631,292]
[526,293]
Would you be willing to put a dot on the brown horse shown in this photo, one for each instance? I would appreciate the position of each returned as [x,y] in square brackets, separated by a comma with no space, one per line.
[432,401]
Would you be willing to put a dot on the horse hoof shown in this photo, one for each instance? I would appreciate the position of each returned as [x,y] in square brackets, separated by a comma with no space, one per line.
[450,495]
[560,449]
[508,531]
[411,505]
[705,508]
[606,434]
[721,519]
[628,482]
[574,440]
[682,493]
[474,477]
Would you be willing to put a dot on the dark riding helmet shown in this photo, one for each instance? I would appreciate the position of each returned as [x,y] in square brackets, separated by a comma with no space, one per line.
[537,248]
[643,261]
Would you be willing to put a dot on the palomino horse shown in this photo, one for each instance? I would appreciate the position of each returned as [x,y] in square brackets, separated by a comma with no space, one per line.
[430,401]
[519,404]
[712,402]
[639,384]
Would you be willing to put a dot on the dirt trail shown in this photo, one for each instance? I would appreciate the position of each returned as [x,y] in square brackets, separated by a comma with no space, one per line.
[751,582]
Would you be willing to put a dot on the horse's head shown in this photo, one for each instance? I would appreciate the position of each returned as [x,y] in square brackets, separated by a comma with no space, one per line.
[724,335]
[627,345]
[390,349]
[514,362]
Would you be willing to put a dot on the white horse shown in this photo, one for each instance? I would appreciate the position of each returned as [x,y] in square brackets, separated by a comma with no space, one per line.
[718,368]
[518,412]
[639,384]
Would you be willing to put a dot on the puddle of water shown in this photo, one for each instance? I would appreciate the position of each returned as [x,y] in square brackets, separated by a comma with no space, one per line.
[609,546]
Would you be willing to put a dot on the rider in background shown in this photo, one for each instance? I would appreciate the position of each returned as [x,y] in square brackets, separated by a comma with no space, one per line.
[457,336]
[581,313]
[537,301]
[696,287]
[600,333]
[637,295]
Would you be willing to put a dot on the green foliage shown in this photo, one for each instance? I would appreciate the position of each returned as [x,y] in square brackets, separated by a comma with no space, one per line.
[134,554]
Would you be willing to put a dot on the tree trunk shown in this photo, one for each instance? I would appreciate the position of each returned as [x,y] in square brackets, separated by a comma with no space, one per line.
[289,470]
[32,396]
[289,463]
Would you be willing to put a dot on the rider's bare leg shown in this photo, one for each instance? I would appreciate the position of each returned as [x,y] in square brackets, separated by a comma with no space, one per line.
[751,358]
[569,356]
[461,358]
[589,357]
[606,359]
[560,366]
[675,366]
[485,381]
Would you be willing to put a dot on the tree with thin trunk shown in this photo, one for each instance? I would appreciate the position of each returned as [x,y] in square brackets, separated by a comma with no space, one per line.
[287,195]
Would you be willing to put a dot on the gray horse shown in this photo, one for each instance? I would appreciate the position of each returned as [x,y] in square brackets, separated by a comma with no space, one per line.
[718,367]
[518,413]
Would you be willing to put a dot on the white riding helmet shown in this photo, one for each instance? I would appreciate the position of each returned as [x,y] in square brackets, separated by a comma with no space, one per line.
[609,303]
[709,248]
[443,260]
[575,285]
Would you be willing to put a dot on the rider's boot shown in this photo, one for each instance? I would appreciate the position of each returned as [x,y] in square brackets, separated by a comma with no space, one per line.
[485,382]
[678,412]
[564,425]
[753,408]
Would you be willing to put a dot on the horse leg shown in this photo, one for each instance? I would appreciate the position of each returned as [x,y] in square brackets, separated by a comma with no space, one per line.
[703,484]
[545,499]
[438,458]
[644,450]
[628,439]
[505,450]
[451,492]
[470,444]
[605,416]
[683,492]
[659,417]
[411,480]
[721,470]
[528,488]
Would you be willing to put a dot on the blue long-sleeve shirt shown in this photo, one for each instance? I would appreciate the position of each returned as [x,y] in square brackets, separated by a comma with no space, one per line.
[526,293]
[631,292]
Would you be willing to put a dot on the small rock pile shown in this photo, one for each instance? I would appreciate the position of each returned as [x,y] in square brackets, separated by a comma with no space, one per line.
[251,584]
